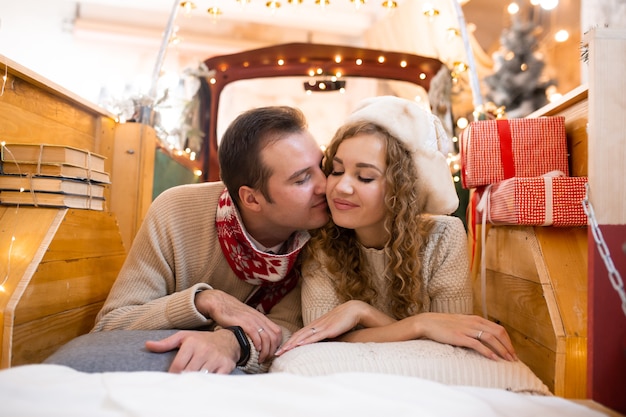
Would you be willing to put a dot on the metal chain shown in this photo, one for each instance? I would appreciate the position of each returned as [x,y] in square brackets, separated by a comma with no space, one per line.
[614,275]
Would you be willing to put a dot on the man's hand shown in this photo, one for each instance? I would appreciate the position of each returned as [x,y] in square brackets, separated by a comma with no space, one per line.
[215,352]
[227,311]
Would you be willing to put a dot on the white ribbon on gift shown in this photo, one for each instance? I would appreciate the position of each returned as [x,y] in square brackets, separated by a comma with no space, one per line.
[484,207]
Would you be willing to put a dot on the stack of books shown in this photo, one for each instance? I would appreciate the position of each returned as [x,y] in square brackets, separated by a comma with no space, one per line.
[52,176]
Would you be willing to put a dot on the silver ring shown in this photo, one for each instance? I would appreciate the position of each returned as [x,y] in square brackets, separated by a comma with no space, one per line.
[480,333]
[313,330]
[261,330]
[204,371]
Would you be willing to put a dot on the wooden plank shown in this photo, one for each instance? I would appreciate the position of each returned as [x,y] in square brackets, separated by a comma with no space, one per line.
[540,359]
[520,305]
[65,285]
[536,289]
[607,172]
[19,126]
[46,85]
[29,98]
[574,107]
[96,231]
[576,130]
[564,252]
[33,229]
[607,136]
[36,340]
[517,260]
[133,176]
[104,139]
[575,368]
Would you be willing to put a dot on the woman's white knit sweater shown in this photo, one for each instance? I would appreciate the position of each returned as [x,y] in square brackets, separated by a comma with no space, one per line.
[446,286]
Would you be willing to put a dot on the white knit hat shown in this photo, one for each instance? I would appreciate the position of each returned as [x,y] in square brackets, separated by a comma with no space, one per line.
[423,134]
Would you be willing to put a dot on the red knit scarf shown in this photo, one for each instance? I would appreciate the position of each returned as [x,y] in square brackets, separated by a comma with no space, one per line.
[274,274]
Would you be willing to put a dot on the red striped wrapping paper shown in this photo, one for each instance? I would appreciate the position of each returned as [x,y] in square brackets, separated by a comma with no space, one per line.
[496,150]
[534,201]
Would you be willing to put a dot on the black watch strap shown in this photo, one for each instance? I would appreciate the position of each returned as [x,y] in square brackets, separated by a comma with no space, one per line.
[242,339]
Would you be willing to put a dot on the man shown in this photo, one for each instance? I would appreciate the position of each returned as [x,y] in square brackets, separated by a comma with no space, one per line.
[218,266]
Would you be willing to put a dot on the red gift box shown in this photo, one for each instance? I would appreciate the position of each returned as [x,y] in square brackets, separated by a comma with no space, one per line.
[536,201]
[496,150]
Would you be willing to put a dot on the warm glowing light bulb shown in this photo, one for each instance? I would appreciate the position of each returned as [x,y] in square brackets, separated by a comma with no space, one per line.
[548,4]
[513,8]
[187,6]
[462,122]
[561,36]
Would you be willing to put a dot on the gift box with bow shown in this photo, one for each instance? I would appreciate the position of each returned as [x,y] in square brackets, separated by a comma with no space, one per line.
[496,150]
[549,200]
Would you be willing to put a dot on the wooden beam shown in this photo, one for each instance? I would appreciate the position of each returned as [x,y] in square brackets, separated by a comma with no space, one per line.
[607,181]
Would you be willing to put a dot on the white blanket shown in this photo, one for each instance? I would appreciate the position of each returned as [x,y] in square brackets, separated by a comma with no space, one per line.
[52,390]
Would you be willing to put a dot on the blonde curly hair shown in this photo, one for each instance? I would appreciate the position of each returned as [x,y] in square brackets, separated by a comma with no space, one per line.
[406,227]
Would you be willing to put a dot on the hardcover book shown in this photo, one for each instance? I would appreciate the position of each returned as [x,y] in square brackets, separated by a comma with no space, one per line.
[51,184]
[56,170]
[36,198]
[52,154]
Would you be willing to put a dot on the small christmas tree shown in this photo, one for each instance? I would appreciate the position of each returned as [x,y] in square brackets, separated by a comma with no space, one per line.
[517,83]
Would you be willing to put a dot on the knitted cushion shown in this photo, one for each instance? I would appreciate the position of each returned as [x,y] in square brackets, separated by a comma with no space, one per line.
[421,358]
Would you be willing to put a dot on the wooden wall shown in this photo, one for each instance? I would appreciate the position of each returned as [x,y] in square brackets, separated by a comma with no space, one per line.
[63,263]
[57,264]
[607,182]
[536,277]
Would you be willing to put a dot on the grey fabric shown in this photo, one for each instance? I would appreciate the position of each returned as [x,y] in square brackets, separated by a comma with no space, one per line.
[115,351]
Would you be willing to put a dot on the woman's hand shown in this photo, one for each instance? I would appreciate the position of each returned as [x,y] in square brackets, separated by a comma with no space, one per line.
[343,318]
[486,337]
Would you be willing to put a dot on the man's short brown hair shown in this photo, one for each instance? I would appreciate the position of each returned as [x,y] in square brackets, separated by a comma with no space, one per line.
[239,151]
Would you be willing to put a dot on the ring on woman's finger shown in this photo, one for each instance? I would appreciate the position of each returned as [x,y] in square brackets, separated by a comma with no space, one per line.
[204,371]
[480,333]
[314,330]
[261,330]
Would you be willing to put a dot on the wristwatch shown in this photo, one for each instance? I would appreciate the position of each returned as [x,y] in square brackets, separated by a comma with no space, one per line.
[242,339]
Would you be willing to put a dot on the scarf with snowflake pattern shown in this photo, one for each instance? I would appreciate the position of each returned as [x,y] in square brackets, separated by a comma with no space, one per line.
[274,274]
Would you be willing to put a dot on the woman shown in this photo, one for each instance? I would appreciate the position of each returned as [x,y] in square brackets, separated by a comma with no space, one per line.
[391,265]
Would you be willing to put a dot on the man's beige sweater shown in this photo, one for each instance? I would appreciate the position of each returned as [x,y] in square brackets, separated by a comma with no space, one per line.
[176,254]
